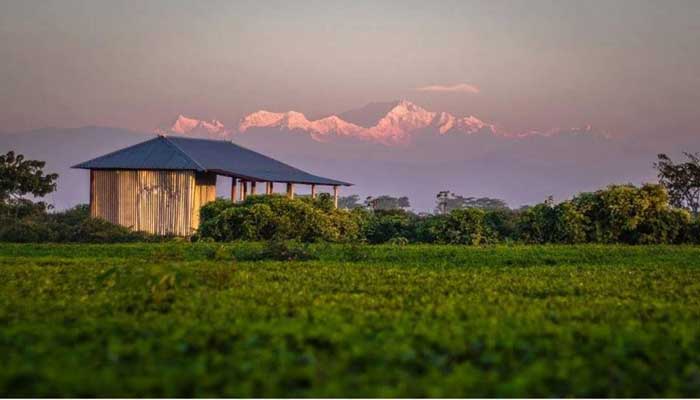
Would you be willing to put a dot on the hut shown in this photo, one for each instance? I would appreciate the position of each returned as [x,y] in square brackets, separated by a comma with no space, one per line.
[158,186]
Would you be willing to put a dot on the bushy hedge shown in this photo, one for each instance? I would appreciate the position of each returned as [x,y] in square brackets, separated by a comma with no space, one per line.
[616,214]
[278,217]
[27,222]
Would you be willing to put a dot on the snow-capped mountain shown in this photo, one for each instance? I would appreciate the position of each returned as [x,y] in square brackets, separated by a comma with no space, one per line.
[194,127]
[390,123]
[398,125]
[318,129]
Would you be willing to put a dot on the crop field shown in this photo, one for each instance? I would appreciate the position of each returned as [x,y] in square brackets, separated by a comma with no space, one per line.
[179,320]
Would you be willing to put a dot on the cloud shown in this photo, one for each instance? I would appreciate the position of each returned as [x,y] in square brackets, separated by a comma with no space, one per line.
[458,88]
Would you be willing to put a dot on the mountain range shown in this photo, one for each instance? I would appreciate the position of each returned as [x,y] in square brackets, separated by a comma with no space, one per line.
[388,123]
[396,148]
[194,127]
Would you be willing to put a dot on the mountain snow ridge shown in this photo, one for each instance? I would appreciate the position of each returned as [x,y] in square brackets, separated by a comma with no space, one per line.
[397,126]
[195,127]
[392,123]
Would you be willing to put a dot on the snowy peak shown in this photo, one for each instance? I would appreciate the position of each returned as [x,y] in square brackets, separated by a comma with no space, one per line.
[368,115]
[292,120]
[397,124]
[401,120]
[197,128]
[260,119]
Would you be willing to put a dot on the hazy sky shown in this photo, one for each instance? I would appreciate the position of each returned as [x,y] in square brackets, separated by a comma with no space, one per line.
[625,67]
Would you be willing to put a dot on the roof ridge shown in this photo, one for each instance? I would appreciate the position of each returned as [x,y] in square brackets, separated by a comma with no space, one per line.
[170,142]
[115,152]
[179,137]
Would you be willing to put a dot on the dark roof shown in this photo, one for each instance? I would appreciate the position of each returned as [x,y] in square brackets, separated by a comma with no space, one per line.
[218,156]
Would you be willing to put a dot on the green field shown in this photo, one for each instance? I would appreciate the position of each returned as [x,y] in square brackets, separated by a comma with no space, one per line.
[183,319]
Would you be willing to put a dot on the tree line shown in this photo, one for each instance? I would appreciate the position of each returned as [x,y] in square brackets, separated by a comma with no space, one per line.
[666,212]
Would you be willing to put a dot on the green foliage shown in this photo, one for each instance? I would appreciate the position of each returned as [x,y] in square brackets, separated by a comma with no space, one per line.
[502,222]
[398,241]
[448,201]
[26,231]
[465,226]
[617,214]
[19,177]
[277,217]
[691,233]
[35,225]
[682,181]
[174,320]
[287,251]
[627,214]
[387,203]
[349,202]
[24,221]
[382,226]
[93,230]
[569,226]
[547,223]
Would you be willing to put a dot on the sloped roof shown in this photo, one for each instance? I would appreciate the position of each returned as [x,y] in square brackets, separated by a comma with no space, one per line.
[218,156]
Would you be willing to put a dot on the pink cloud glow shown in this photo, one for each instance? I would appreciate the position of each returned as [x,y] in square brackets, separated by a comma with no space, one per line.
[457,88]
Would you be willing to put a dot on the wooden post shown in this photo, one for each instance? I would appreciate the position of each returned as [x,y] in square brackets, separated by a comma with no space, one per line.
[313,191]
[335,195]
[93,206]
[252,187]
[244,189]
[233,189]
[290,190]
[269,188]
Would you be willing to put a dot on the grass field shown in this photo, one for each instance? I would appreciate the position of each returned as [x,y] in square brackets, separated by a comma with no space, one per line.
[199,320]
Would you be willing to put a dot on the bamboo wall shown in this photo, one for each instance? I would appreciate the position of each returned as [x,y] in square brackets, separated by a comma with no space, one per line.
[159,202]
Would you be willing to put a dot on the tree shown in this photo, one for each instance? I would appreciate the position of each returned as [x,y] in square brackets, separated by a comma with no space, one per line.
[443,201]
[349,202]
[387,203]
[552,223]
[466,226]
[448,201]
[682,181]
[384,225]
[19,177]
[628,214]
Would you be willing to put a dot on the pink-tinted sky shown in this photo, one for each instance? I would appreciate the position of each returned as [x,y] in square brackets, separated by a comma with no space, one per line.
[625,67]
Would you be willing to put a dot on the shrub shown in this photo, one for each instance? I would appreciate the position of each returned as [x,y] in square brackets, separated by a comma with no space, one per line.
[385,225]
[692,232]
[627,214]
[34,224]
[94,230]
[277,217]
[428,228]
[25,231]
[398,241]
[502,222]
[281,250]
[665,226]
[536,223]
[465,226]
